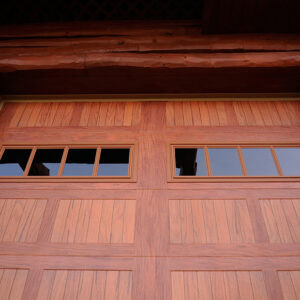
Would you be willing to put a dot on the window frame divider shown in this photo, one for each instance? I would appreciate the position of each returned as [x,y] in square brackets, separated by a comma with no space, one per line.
[30,160]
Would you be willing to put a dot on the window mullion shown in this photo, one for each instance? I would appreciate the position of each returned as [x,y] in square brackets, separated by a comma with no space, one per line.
[63,161]
[30,160]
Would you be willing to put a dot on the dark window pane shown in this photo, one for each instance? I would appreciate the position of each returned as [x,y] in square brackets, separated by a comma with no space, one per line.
[80,162]
[114,162]
[46,162]
[14,161]
[190,162]
[259,162]
[289,159]
[225,162]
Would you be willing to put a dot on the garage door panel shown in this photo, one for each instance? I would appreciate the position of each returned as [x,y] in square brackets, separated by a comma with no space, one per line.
[218,285]
[290,284]
[12,283]
[282,219]
[20,219]
[210,221]
[85,284]
[94,221]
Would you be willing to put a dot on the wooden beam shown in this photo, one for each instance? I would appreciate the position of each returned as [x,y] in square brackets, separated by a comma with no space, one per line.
[133,44]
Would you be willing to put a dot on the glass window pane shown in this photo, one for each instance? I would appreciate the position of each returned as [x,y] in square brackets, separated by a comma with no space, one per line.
[190,162]
[225,162]
[14,161]
[80,162]
[259,162]
[114,162]
[46,162]
[289,159]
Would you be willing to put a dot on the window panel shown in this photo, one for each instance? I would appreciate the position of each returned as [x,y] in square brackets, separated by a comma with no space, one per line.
[225,162]
[190,162]
[14,161]
[289,160]
[259,162]
[114,162]
[80,162]
[46,162]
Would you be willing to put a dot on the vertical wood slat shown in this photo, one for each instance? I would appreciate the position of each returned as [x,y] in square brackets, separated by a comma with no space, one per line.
[93,113]
[119,118]
[128,113]
[187,114]
[49,112]
[19,109]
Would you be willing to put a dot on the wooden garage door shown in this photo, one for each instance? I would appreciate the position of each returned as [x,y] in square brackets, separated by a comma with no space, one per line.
[151,238]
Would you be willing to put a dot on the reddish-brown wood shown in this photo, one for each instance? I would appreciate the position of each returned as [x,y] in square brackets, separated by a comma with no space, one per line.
[150,239]
[141,57]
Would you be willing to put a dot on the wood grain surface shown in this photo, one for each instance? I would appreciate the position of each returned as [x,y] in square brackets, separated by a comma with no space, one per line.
[151,238]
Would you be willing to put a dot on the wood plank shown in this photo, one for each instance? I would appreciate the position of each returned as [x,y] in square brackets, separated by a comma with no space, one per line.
[198,221]
[106,221]
[94,113]
[29,107]
[111,113]
[119,118]
[34,114]
[94,222]
[17,115]
[255,108]
[213,114]
[12,282]
[178,108]
[221,111]
[85,114]
[196,114]
[245,287]
[50,112]
[187,226]
[137,114]
[245,106]
[59,115]
[222,223]
[117,227]
[210,222]
[128,113]
[190,285]
[21,219]
[175,223]
[204,113]
[231,285]
[83,222]
[282,225]
[69,284]
[287,285]
[270,221]
[187,114]
[103,114]
[237,106]
[292,218]
[296,281]
[129,221]
[258,286]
